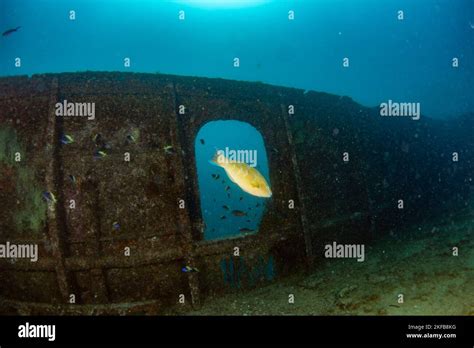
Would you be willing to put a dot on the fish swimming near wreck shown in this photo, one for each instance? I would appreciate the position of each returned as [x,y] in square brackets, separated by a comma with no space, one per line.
[189,269]
[168,150]
[66,139]
[73,179]
[49,197]
[239,213]
[247,178]
[131,139]
[10,31]
[99,154]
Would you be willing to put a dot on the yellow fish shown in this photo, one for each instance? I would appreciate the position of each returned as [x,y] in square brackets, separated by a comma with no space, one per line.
[247,178]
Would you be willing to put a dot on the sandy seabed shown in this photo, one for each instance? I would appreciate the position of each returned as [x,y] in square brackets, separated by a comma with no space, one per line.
[417,262]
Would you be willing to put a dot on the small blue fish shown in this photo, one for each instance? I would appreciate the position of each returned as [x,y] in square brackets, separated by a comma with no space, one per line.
[168,149]
[97,139]
[116,226]
[66,139]
[73,179]
[188,269]
[100,142]
[49,197]
[99,154]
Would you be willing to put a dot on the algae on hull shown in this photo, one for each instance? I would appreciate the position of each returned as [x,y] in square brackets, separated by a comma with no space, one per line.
[29,212]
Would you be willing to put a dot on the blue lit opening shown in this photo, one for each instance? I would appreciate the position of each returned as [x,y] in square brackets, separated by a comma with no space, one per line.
[226,209]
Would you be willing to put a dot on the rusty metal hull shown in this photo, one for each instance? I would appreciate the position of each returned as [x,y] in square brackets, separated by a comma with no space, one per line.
[81,255]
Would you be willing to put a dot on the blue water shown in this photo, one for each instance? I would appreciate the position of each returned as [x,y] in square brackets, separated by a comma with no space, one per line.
[219,221]
[408,61]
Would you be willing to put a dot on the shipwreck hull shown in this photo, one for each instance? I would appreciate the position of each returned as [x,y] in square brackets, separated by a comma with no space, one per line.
[81,254]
